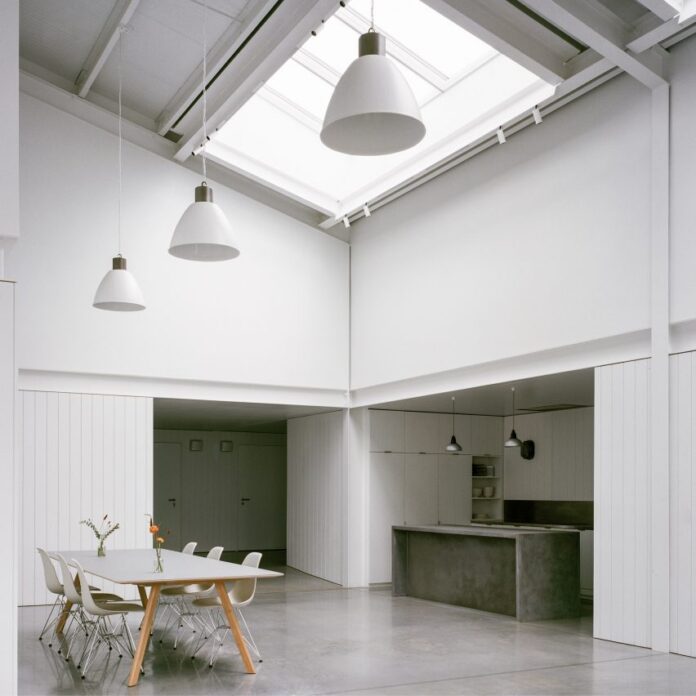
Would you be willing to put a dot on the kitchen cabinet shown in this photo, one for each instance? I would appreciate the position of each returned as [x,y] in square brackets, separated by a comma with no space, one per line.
[386,509]
[486,435]
[421,432]
[386,431]
[454,488]
[420,489]
[462,431]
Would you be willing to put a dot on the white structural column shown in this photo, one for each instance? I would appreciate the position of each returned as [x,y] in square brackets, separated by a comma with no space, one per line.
[9,230]
[8,577]
[356,462]
[659,370]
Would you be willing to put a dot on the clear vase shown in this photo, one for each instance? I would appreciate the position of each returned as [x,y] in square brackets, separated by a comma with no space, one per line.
[101,549]
[159,568]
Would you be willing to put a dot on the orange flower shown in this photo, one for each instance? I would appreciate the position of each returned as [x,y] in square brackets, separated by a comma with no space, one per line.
[154,528]
[159,540]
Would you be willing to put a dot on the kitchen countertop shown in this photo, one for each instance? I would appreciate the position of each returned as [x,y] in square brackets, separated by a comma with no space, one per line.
[534,525]
[501,531]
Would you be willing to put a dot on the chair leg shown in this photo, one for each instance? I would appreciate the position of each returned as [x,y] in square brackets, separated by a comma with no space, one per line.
[90,646]
[248,637]
[51,620]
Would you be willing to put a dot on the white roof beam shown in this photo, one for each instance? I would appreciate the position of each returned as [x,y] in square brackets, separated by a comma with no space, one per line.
[232,38]
[107,39]
[478,17]
[603,32]
[273,44]
[664,9]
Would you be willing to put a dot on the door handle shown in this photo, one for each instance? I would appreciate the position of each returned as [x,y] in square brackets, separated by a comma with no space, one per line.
[172,501]
[245,500]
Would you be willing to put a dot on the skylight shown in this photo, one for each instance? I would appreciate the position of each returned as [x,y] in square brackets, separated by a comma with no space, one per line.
[464,87]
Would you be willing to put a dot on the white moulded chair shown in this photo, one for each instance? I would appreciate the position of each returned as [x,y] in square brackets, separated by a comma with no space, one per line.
[241,595]
[54,586]
[82,621]
[103,632]
[179,593]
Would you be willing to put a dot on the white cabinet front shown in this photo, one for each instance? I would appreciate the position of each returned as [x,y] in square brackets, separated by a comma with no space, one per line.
[420,492]
[386,509]
[454,488]
[386,431]
[421,432]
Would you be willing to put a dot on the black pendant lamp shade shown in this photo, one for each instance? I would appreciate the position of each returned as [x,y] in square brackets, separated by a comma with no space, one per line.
[453,446]
[513,440]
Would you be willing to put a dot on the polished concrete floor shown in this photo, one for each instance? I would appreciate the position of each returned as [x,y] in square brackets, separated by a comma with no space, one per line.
[320,639]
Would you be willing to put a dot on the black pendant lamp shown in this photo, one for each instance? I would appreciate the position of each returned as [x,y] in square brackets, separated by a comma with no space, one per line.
[513,440]
[453,446]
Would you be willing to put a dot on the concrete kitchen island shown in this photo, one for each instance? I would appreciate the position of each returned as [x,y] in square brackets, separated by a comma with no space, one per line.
[529,574]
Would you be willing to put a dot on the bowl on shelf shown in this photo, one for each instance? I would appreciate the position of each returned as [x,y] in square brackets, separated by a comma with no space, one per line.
[476,492]
[488,491]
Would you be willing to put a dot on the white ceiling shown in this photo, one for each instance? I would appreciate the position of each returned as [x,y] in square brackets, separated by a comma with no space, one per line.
[547,392]
[250,40]
[185,414]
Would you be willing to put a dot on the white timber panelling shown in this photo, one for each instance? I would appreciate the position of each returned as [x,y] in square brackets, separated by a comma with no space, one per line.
[315,470]
[622,503]
[683,504]
[563,466]
[210,487]
[80,456]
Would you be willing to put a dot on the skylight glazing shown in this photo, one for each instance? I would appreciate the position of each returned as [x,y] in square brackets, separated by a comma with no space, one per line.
[464,87]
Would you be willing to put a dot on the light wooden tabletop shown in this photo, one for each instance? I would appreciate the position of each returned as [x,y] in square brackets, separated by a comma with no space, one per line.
[137,567]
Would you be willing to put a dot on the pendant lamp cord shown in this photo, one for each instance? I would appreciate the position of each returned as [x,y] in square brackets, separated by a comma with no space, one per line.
[120,130]
[513,408]
[372,15]
[205,92]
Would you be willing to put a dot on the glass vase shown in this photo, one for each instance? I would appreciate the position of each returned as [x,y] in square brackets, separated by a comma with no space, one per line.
[101,549]
[159,568]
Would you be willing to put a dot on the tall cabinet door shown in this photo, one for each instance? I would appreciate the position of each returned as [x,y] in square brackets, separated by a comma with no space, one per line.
[454,488]
[386,509]
[420,492]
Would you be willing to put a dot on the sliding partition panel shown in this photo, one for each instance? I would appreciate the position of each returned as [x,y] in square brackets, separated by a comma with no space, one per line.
[622,503]
[80,455]
[683,504]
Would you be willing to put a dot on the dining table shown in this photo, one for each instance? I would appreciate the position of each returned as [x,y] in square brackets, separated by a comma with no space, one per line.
[137,567]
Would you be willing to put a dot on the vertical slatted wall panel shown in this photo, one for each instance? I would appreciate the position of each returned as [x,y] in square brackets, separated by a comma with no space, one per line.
[81,455]
[315,463]
[622,503]
[683,504]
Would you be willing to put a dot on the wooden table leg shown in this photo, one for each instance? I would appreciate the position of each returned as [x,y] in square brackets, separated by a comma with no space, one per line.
[144,639]
[234,626]
[63,617]
[143,595]
[67,607]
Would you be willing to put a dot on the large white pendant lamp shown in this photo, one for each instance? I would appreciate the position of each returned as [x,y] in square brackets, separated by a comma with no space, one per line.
[119,291]
[204,232]
[513,440]
[372,110]
[453,446]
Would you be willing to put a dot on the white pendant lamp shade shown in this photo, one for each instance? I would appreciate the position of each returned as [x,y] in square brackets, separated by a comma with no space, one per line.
[372,110]
[204,232]
[119,291]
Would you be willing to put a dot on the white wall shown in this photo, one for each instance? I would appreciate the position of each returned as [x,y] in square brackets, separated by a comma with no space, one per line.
[316,453]
[8,491]
[683,504]
[210,487]
[80,456]
[277,315]
[563,466]
[506,254]
[622,586]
